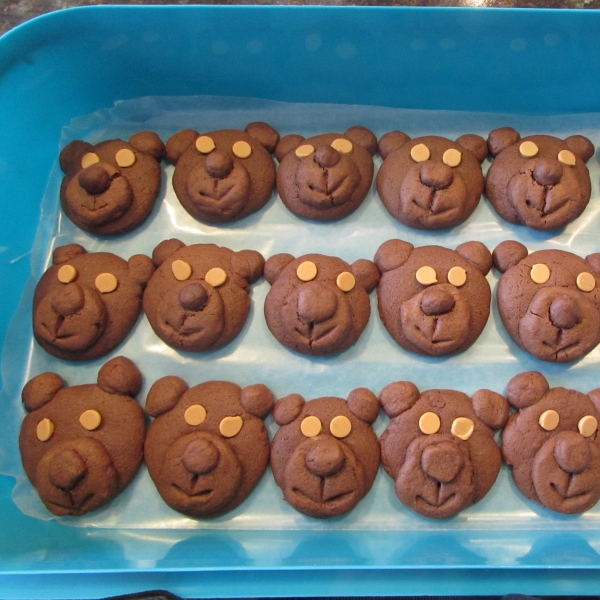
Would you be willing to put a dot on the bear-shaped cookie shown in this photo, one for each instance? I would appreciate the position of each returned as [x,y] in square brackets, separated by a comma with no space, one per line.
[207,447]
[540,181]
[198,298]
[82,445]
[325,455]
[431,182]
[439,446]
[549,300]
[226,175]
[318,304]
[433,300]
[111,187]
[552,443]
[85,304]
[327,176]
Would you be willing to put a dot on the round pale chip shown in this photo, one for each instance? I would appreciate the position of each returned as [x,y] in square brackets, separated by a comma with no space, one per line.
[205,144]
[340,426]
[549,420]
[106,283]
[230,426]
[90,419]
[452,157]
[125,158]
[462,428]
[216,277]
[194,414]
[311,426]
[342,146]
[539,273]
[420,153]
[345,281]
[426,275]
[587,426]
[89,159]
[457,276]
[566,157]
[307,271]
[44,430]
[586,282]
[429,423]
[181,270]
[304,150]
[528,149]
[67,273]
[242,149]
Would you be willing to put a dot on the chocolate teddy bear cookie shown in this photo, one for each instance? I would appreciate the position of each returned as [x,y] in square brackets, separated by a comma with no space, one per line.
[549,300]
[552,443]
[207,447]
[540,181]
[433,300]
[82,445]
[198,298]
[431,182]
[327,176]
[325,455]
[439,446]
[317,304]
[86,303]
[223,176]
[111,187]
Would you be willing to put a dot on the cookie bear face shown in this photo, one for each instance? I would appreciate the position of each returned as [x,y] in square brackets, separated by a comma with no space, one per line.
[86,303]
[82,445]
[433,300]
[207,448]
[325,455]
[317,304]
[111,187]
[549,301]
[223,176]
[552,443]
[439,446]
[198,298]
[327,176]
[540,181]
[431,182]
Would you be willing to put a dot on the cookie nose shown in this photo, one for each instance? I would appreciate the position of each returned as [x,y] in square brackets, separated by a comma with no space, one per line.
[325,458]
[316,302]
[94,180]
[193,297]
[436,174]
[200,457]
[219,164]
[442,461]
[68,470]
[436,301]
[565,312]
[68,299]
[327,157]
[547,171]
[572,452]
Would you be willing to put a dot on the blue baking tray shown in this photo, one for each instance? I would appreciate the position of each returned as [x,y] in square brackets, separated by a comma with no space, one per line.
[74,62]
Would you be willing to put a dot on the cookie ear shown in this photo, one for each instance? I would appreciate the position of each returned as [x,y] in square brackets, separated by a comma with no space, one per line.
[508,254]
[264,134]
[502,138]
[40,390]
[164,250]
[141,268]
[64,254]
[164,395]
[363,403]
[287,409]
[366,274]
[71,155]
[581,146]
[275,265]
[398,397]
[287,144]
[149,143]
[178,143]
[594,396]
[258,400]
[491,408]
[477,254]
[120,376]
[363,137]
[249,264]
[526,389]
[392,254]
[391,141]
[594,260]
[475,144]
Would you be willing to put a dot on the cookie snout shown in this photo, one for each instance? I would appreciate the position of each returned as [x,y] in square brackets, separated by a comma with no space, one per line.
[547,172]
[436,175]
[67,470]
[436,301]
[316,302]
[95,179]
[68,300]
[565,312]
[200,457]
[219,164]
[572,453]
[442,461]
[325,458]
[327,157]
[193,297]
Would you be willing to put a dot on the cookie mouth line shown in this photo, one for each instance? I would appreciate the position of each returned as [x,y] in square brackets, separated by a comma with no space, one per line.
[337,499]
[423,500]
[72,505]
[567,497]
[431,212]
[204,494]
[432,341]
[310,339]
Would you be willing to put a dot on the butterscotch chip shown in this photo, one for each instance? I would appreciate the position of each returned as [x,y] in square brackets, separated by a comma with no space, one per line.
[242,149]
[429,423]
[125,158]
[566,157]
[181,270]
[587,426]
[307,271]
[452,157]
[216,277]
[340,426]
[586,282]
[194,414]
[549,420]
[426,275]
[311,426]
[462,428]
[106,283]
[89,159]
[304,150]
[67,273]
[90,419]
[205,144]
[345,281]
[230,426]
[420,153]
[342,145]
[457,276]
[44,430]
[539,273]
[528,149]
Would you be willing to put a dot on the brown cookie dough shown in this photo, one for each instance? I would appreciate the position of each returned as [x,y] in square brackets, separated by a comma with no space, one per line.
[433,300]
[439,446]
[325,455]
[317,304]
[207,447]
[549,300]
[86,303]
[539,181]
[327,176]
[111,187]
[82,445]
[552,443]
[226,175]
[431,182]
[198,298]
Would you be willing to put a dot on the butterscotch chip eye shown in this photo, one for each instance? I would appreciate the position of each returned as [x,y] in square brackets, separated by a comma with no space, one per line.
[586,282]
[44,430]
[549,420]
[457,276]
[528,149]
[420,153]
[205,144]
[307,271]
[67,273]
[539,273]
[89,159]
[230,426]
[106,283]
[345,281]
[181,270]
[216,277]
[194,415]
[125,158]
[462,428]
[429,423]
[342,146]
[242,149]
[311,426]
[90,420]
[304,150]
[340,426]
[452,157]
[426,275]
[566,157]
[587,426]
